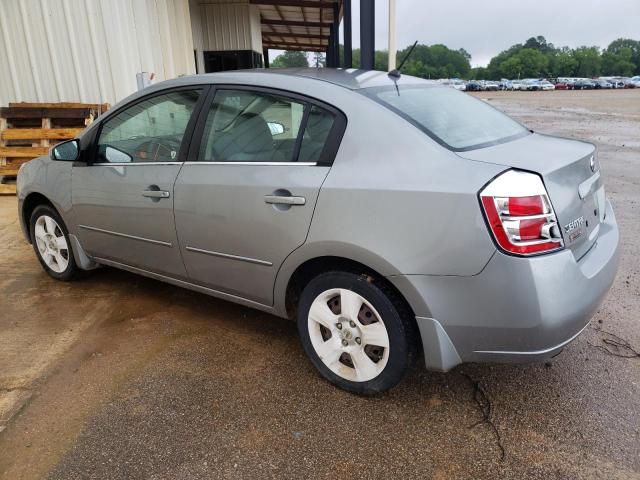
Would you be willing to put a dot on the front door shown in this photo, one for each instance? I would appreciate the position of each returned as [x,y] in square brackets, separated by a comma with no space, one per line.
[123,200]
[246,200]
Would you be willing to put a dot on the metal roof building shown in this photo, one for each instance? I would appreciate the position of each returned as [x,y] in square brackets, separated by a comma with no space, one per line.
[97,50]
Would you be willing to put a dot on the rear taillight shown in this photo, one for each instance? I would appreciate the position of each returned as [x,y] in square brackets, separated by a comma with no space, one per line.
[520,214]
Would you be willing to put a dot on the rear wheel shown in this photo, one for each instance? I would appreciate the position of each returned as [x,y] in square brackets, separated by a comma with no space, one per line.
[50,241]
[357,333]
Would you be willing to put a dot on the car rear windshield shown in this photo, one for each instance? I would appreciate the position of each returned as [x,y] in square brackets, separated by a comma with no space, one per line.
[452,118]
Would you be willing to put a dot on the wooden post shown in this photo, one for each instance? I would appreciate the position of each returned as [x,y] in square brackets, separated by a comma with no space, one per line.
[3,127]
[46,123]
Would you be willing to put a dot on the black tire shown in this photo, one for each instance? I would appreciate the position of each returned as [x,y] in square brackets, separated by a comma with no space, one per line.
[71,269]
[396,317]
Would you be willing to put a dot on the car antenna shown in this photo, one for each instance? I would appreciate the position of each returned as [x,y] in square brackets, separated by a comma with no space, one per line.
[395,73]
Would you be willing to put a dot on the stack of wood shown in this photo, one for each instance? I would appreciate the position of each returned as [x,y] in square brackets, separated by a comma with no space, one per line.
[29,130]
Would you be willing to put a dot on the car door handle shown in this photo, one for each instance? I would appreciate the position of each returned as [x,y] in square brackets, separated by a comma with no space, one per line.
[156,194]
[284,200]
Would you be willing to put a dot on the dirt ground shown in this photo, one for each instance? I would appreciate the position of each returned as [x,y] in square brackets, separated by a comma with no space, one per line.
[117,376]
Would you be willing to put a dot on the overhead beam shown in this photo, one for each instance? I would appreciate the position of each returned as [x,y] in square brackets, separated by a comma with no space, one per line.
[301,48]
[320,50]
[294,23]
[288,45]
[293,3]
[293,35]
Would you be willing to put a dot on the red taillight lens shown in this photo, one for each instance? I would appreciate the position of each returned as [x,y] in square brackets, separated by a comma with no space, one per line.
[522,224]
[531,205]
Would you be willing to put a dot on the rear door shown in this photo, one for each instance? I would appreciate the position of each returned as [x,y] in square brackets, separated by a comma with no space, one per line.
[123,199]
[245,197]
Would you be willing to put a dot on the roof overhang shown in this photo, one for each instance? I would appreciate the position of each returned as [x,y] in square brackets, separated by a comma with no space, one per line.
[297,24]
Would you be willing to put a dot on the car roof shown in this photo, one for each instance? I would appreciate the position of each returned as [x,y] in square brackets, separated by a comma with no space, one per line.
[352,79]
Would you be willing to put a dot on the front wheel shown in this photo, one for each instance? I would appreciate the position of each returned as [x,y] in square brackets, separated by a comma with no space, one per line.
[356,331]
[51,243]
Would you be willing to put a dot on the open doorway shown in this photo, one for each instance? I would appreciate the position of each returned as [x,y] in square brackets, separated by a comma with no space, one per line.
[220,61]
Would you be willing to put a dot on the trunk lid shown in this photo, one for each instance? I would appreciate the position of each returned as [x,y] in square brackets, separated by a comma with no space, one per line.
[571,175]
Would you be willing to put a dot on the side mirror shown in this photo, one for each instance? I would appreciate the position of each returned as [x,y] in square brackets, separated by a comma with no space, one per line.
[276,128]
[66,151]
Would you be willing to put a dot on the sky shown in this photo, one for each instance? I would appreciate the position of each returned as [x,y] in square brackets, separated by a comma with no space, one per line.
[485,28]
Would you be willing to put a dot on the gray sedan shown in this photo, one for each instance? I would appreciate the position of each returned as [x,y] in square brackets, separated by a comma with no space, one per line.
[391,217]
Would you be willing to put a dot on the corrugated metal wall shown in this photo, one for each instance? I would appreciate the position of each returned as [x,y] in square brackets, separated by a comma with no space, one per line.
[90,50]
[227,25]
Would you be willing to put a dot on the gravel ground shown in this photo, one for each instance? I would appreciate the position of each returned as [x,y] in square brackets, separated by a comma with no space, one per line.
[161,383]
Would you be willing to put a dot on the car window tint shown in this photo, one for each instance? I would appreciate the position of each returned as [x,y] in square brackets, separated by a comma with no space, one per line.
[456,119]
[315,135]
[246,126]
[149,131]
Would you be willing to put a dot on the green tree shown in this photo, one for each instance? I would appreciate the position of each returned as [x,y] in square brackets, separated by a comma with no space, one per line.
[290,58]
[426,61]
[437,61]
[562,63]
[380,59]
[534,58]
[533,62]
[511,67]
[539,43]
[318,60]
[619,63]
[620,49]
[494,69]
[589,61]
[479,73]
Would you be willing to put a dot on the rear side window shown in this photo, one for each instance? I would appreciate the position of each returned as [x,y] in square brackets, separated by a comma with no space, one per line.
[316,133]
[454,119]
[251,126]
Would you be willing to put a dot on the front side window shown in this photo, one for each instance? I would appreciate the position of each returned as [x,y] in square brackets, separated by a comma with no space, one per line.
[453,118]
[149,131]
[249,126]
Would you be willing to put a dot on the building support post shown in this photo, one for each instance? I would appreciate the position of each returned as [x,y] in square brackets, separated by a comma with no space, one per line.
[348,46]
[330,49]
[336,35]
[392,35]
[265,57]
[367,34]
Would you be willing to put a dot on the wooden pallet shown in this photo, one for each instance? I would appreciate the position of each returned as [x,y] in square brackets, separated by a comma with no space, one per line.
[29,130]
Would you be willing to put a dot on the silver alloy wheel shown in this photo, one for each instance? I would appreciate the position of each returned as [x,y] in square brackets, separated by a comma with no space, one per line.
[52,244]
[348,335]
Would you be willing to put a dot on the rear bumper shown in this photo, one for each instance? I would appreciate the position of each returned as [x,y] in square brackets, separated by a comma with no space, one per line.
[516,309]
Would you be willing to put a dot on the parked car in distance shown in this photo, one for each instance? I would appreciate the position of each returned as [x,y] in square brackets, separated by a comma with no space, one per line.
[560,85]
[531,85]
[516,85]
[505,84]
[584,84]
[602,84]
[635,81]
[474,86]
[616,82]
[458,85]
[281,191]
[490,86]
[546,85]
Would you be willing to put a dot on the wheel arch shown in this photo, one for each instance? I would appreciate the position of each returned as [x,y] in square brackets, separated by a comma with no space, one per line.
[306,263]
[29,204]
